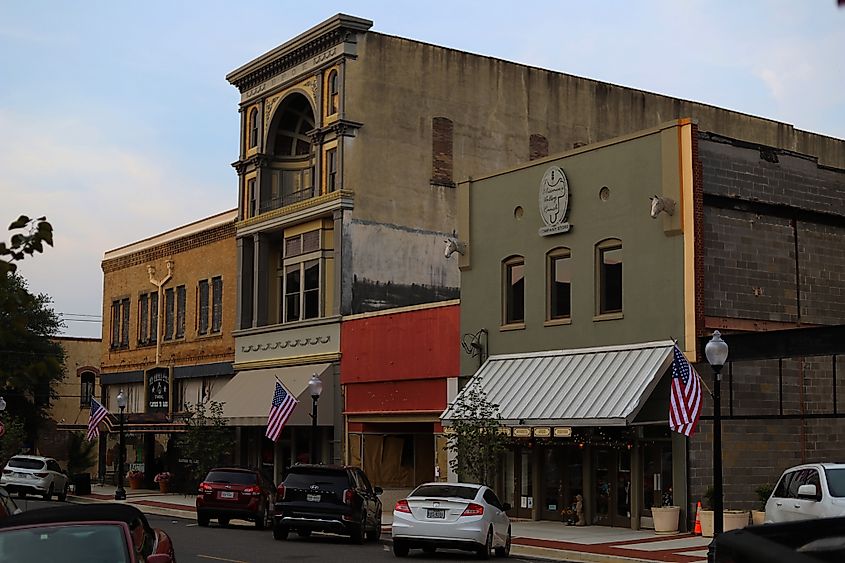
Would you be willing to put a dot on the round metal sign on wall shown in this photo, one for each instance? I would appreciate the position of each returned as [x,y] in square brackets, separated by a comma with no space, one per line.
[554,201]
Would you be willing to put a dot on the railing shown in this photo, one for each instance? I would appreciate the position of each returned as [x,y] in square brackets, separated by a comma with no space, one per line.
[286,199]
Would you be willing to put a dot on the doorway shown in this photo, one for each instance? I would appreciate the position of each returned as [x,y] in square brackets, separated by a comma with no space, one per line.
[523,486]
[612,487]
[562,477]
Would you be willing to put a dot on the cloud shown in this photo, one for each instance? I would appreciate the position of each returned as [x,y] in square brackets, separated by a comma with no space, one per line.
[98,196]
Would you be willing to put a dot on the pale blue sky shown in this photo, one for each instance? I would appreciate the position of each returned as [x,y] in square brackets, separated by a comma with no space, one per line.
[116,120]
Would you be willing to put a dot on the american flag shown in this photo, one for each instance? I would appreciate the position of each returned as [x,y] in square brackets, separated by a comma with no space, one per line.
[685,400]
[283,405]
[98,413]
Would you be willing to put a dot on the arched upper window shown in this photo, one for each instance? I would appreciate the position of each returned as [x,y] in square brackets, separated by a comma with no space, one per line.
[513,290]
[253,128]
[291,170]
[609,276]
[558,284]
[334,93]
[86,388]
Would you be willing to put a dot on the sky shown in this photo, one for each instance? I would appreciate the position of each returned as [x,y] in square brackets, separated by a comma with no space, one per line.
[117,123]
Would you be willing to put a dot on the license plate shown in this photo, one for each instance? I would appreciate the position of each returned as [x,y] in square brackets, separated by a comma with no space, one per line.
[312,498]
[436,513]
[227,494]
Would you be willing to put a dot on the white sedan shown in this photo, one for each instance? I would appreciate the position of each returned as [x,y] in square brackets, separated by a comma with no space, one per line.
[452,516]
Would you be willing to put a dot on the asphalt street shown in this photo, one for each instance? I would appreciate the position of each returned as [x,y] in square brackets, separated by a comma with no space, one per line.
[240,542]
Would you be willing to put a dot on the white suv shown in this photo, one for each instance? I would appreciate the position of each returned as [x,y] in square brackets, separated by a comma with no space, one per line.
[812,490]
[36,475]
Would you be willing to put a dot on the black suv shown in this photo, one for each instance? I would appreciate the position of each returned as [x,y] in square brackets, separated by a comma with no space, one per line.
[327,498]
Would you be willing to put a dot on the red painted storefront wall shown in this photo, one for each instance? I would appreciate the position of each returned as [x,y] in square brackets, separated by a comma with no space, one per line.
[400,362]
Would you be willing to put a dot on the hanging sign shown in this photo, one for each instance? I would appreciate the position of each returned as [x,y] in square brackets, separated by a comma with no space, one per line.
[158,389]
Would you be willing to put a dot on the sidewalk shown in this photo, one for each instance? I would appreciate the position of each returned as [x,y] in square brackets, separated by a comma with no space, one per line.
[546,540]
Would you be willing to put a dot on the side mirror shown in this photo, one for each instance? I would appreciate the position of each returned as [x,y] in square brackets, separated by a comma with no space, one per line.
[506,506]
[378,490]
[807,492]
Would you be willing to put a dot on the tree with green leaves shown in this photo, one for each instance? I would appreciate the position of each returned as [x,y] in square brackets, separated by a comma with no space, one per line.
[13,438]
[476,440]
[36,233]
[31,361]
[207,439]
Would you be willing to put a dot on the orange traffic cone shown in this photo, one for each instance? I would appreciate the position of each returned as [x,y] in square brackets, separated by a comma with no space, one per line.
[697,530]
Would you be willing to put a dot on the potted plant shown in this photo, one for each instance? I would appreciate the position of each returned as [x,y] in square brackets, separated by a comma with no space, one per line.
[163,480]
[764,491]
[666,517]
[135,478]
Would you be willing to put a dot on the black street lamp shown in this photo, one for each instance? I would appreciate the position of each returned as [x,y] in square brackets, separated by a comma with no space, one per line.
[315,387]
[717,352]
[120,492]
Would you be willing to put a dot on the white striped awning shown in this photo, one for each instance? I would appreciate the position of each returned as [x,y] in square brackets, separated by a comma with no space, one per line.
[585,387]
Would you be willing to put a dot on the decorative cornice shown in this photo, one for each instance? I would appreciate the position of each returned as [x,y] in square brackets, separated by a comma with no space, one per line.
[336,30]
[343,197]
[256,161]
[279,345]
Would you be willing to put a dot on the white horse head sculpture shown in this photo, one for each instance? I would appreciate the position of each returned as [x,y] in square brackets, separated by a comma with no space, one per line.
[660,203]
[453,246]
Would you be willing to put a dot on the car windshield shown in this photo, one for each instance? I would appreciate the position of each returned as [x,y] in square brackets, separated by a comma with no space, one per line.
[24,463]
[233,477]
[332,481]
[450,491]
[836,481]
[66,543]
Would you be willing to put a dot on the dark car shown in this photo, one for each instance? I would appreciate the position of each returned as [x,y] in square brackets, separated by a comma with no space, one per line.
[233,492]
[327,498]
[117,533]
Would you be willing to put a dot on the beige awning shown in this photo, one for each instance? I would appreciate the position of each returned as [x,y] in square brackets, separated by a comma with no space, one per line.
[585,387]
[246,397]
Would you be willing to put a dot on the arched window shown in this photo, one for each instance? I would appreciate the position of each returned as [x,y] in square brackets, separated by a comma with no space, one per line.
[513,289]
[86,388]
[253,128]
[558,284]
[609,276]
[334,93]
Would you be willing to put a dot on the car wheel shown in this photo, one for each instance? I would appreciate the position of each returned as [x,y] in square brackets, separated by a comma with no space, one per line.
[358,534]
[428,550]
[202,519]
[49,494]
[63,494]
[280,532]
[376,533]
[506,550]
[484,552]
[223,522]
[304,533]
[262,518]
[400,548]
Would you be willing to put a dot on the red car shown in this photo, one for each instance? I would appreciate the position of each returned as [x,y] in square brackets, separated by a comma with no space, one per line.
[80,533]
[233,492]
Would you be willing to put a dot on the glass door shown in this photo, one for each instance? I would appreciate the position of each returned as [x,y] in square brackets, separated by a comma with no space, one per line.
[523,486]
[612,490]
[553,484]
[602,468]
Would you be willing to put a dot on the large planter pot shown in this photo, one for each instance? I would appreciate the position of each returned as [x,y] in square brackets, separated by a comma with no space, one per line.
[665,519]
[735,519]
[706,518]
[758,517]
[164,486]
[135,483]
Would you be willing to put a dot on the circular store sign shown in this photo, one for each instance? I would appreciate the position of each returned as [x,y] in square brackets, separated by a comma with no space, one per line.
[554,201]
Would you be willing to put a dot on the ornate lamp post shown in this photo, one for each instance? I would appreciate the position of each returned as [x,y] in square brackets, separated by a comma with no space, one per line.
[120,492]
[315,387]
[717,353]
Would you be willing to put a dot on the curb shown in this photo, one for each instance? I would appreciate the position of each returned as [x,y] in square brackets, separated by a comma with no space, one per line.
[188,513]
